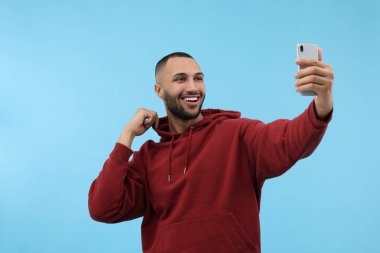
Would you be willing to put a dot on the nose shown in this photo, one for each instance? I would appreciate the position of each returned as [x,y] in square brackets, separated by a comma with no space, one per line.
[191,86]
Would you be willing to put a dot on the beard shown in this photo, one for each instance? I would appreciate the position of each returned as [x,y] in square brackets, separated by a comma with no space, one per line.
[178,110]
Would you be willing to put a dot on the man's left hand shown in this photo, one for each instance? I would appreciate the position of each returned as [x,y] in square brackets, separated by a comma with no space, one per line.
[317,77]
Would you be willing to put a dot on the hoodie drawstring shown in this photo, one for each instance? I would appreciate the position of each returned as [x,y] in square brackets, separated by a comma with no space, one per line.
[188,150]
[210,117]
[187,155]
[170,160]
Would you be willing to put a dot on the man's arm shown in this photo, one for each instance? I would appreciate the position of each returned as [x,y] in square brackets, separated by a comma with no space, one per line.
[118,193]
[273,148]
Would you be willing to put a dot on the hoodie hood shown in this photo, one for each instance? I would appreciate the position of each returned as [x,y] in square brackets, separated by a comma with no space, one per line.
[210,117]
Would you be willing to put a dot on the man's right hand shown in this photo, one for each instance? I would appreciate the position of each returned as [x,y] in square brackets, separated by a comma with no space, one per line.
[138,125]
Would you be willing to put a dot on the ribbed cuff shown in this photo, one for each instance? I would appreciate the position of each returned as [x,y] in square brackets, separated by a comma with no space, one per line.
[121,151]
[312,114]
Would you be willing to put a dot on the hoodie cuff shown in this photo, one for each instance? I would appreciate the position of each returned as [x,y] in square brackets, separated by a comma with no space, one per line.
[121,151]
[312,114]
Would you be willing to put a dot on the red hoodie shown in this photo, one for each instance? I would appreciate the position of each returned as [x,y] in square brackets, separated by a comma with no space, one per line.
[199,191]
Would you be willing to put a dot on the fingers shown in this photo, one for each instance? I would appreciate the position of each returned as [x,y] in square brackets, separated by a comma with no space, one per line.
[314,70]
[316,83]
[157,122]
[146,122]
[149,118]
[308,62]
[316,87]
[154,119]
[309,87]
[316,76]
[313,79]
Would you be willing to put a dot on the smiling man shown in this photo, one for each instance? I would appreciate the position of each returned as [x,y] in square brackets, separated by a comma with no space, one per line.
[199,188]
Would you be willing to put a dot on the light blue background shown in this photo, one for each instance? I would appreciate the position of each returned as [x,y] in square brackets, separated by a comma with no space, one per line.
[72,74]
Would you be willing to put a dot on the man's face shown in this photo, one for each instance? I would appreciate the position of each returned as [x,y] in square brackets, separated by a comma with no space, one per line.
[182,87]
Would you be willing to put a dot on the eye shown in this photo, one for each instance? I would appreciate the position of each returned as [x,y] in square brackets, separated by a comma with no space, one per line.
[199,78]
[180,79]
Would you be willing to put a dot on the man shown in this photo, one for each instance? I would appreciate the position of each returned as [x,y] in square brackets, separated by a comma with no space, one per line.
[199,187]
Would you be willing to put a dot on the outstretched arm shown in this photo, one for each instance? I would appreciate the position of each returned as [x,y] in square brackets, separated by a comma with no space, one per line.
[275,147]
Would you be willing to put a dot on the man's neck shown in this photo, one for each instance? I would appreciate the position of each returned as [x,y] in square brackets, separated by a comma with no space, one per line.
[179,126]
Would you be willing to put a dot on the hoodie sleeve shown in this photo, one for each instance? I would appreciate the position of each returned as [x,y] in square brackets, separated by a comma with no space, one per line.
[274,147]
[118,193]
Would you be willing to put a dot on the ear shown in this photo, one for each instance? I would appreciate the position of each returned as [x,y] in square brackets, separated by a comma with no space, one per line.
[159,91]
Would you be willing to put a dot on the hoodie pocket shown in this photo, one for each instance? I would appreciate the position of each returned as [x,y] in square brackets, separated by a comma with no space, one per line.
[220,232]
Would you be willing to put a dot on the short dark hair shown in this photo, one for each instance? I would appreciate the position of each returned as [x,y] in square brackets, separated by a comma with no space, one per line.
[161,63]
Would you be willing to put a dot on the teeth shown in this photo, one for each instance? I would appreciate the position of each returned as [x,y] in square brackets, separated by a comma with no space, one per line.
[191,99]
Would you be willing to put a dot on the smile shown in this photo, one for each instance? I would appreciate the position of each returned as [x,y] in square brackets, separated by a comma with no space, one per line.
[191,100]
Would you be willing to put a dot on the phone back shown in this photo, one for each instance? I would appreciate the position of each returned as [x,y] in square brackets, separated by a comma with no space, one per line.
[309,52]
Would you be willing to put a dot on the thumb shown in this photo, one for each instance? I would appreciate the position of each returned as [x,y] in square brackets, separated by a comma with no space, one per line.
[319,54]
[157,122]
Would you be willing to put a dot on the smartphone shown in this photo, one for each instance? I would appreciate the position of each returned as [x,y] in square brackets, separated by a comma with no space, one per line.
[310,52]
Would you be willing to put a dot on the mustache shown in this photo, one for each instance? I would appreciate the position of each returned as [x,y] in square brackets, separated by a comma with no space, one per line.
[193,93]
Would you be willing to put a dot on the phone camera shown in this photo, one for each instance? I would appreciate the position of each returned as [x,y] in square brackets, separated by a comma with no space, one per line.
[301,48]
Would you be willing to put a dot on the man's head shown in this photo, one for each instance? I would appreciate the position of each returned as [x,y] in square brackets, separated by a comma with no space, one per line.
[179,83]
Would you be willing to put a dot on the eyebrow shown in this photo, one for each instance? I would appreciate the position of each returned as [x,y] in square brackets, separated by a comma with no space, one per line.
[184,74]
